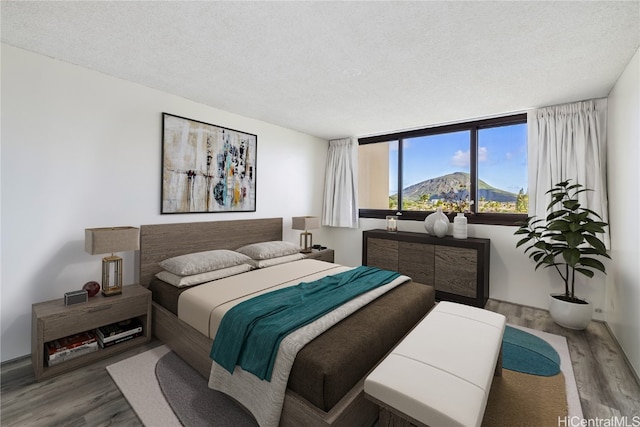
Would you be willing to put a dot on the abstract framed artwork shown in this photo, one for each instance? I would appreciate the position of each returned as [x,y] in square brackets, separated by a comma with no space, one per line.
[206,168]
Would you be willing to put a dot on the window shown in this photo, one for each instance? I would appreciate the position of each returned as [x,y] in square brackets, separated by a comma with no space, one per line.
[478,167]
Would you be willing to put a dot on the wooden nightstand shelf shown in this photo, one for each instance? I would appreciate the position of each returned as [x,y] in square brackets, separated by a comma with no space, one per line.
[321,254]
[52,320]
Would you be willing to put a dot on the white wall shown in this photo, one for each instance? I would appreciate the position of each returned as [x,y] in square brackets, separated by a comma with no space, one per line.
[82,149]
[623,280]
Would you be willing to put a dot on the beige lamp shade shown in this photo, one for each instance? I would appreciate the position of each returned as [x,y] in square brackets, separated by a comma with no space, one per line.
[305,222]
[111,239]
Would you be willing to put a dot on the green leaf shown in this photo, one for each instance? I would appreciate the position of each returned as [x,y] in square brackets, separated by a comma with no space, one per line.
[571,256]
[592,213]
[541,245]
[571,204]
[533,223]
[593,227]
[586,272]
[555,199]
[583,216]
[596,243]
[522,242]
[522,231]
[592,251]
[559,225]
[573,217]
[574,239]
[580,191]
[593,263]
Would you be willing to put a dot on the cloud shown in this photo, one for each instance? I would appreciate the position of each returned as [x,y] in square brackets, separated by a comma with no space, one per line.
[460,158]
[483,154]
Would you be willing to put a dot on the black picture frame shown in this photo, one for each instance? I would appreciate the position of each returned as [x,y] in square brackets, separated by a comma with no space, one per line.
[206,168]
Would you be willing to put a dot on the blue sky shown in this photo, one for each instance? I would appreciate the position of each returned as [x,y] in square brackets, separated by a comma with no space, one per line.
[502,157]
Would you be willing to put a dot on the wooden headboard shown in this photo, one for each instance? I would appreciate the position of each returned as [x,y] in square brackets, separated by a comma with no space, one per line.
[162,241]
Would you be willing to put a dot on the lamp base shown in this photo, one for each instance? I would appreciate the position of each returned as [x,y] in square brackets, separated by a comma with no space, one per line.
[111,293]
[308,242]
[110,263]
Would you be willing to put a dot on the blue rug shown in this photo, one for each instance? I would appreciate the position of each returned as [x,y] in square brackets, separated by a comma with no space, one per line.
[526,353]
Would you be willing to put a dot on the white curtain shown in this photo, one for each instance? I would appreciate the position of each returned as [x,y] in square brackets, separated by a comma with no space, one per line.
[339,207]
[569,142]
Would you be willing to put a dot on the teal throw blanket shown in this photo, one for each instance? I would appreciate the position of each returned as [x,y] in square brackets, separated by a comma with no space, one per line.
[250,333]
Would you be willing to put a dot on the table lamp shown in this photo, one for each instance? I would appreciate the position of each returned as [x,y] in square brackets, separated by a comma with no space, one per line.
[306,223]
[110,240]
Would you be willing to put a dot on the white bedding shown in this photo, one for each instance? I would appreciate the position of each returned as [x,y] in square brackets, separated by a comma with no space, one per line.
[203,306]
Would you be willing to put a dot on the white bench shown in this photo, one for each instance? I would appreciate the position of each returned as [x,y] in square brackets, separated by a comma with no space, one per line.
[441,372]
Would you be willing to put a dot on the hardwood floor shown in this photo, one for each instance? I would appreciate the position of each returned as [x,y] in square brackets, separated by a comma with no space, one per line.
[606,384]
[88,396]
[85,397]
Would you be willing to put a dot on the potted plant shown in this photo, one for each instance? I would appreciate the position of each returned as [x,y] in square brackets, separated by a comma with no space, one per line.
[567,242]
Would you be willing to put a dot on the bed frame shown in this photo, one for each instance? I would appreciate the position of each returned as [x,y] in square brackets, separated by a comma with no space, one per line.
[162,241]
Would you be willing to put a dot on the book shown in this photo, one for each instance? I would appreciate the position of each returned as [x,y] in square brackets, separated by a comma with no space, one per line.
[106,344]
[119,329]
[72,353]
[69,342]
[123,334]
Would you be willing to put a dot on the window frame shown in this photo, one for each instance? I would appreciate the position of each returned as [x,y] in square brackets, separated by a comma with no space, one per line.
[473,127]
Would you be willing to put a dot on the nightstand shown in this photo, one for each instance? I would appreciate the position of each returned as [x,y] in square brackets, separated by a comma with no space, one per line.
[321,254]
[52,320]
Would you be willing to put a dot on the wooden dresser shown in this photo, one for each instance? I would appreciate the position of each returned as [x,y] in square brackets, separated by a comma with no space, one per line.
[458,269]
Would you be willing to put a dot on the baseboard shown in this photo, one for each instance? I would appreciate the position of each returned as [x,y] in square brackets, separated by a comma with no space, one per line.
[15,359]
[530,306]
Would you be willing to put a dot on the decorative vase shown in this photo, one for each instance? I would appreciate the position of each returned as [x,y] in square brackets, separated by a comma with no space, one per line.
[430,220]
[440,227]
[460,226]
[571,315]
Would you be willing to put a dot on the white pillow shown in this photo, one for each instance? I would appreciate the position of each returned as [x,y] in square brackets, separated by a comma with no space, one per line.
[201,262]
[196,279]
[267,250]
[262,263]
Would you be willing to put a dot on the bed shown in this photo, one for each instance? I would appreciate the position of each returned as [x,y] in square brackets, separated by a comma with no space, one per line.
[325,387]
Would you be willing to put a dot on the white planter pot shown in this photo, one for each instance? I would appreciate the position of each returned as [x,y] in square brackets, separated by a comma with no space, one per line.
[570,315]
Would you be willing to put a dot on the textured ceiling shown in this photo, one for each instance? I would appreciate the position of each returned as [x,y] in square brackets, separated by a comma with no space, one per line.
[335,69]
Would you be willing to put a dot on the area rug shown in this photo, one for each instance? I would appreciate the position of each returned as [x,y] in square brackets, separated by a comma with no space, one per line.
[528,354]
[531,399]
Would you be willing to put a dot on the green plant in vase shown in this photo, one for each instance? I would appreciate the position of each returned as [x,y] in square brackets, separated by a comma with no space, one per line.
[566,241]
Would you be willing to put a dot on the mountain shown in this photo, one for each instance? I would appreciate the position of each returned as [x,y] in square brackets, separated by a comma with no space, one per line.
[438,187]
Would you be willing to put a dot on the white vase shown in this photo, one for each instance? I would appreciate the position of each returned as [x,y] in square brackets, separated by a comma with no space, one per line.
[430,220]
[570,314]
[440,227]
[460,226]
